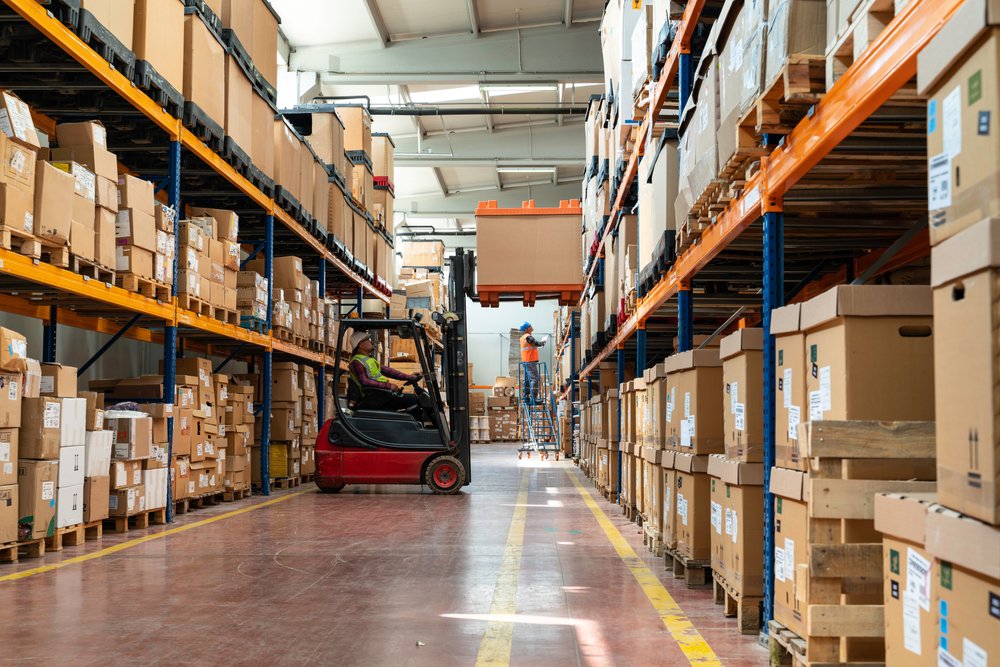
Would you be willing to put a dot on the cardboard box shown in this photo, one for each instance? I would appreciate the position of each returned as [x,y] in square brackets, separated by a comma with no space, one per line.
[963,275]
[86,133]
[693,506]
[17,164]
[238,16]
[17,120]
[694,416]
[36,498]
[238,120]
[133,435]
[790,384]
[958,74]
[16,208]
[529,249]
[8,513]
[125,473]
[136,194]
[54,199]
[158,38]
[262,143]
[134,228]
[10,400]
[105,240]
[97,453]
[285,382]
[95,498]
[743,405]
[106,194]
[58,380]
[8,456]
[132,259]
[265,41]
[791,548]
[737,494]
[204,67]
[357,128]
[126,502]
[69,505]
[869,353]
[99,162]
[71,466]
[41,428]
[73,432]
[13,349]
[115,15]
[911,608]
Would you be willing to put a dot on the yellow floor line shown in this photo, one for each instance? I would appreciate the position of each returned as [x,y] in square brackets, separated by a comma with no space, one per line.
[494,649]
[142,540]
[690,641]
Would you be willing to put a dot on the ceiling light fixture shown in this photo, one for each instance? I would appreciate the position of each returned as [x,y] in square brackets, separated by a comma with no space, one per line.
[512,88]
[526,170]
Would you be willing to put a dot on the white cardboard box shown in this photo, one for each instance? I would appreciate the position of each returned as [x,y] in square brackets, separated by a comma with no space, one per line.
[97,453]
[74,422]
[69,503]
[71,466]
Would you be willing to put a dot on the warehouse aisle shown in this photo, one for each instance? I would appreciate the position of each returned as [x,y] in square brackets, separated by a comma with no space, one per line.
[518,570]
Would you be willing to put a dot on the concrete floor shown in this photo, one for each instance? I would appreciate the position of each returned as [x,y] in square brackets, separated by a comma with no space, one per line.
[398,577]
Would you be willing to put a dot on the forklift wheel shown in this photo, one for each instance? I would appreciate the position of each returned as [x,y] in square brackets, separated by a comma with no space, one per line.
[557,456]
[330,489]
[519,455]
[445,475]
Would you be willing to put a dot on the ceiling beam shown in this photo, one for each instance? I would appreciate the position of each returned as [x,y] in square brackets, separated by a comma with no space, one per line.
[484,96]
[547,54]
[442,186]
[434,161]
[568,14]
[473,16]
[376,17]
[404,93]
[563,144]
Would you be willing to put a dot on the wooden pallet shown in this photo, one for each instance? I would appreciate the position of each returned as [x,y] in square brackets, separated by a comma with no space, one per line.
[56,255]
[150,289]
[138,521]
[784,646]
[850,462]
[693,572]
[20,242]
[285,482]
[281,333]
[11,552]
[94,530]
[227,316]
[90,269]
[745,609]
[233,495]
[69,536]
[652,539]
[308,477]
[195,305]
[867,22]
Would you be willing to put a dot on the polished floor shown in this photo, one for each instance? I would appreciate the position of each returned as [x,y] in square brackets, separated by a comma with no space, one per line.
[519,570]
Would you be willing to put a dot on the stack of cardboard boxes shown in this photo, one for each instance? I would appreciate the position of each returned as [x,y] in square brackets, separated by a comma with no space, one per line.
[12,379]
[293,420]
[251,296]
[98,447]
[210,260]
[144,250]
[502,409]
[19,145]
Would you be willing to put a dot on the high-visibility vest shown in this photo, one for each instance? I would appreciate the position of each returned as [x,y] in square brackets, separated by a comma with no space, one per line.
[373,367]
[528,351]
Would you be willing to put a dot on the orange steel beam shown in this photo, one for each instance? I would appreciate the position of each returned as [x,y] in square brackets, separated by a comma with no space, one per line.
[63,37]
[887,64]
[681,44]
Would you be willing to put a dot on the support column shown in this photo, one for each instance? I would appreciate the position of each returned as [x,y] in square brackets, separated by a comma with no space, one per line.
[640,349]
[265,413]
[49,336]
[170,331]
[574,413]
[774,285]
[321,376]
[685,319]
[621,381]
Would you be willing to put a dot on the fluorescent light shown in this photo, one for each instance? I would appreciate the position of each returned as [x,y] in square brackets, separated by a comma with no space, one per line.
[513,88]
[525,170]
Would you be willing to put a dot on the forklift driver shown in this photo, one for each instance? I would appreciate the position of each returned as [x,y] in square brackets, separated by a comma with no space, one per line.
[370,380]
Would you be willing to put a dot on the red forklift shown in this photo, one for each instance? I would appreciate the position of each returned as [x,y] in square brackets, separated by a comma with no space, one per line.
[428,445]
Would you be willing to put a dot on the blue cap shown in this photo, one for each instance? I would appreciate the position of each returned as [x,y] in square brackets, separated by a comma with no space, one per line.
[525,326]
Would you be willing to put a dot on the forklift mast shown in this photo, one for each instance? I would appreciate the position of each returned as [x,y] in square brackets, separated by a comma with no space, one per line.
[456,359]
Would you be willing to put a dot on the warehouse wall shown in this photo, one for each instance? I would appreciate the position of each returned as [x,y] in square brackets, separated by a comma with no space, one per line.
[489,330]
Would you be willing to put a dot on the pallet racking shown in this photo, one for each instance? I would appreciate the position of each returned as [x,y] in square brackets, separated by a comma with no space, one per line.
[62,78]
[872,98]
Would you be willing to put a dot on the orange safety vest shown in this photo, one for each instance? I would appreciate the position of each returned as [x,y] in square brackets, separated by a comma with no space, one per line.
[528,351]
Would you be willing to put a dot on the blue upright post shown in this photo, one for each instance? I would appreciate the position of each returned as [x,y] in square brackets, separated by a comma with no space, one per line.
[640,349]
[170,331]
[774,285]
[49,336]
[265,416]
[321,379]
[621,381]
[574,413]
[685,319]
[685,77]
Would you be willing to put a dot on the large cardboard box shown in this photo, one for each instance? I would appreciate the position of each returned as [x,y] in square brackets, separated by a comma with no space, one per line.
[285,382]
[54,198]
[41,428]
[17,165]
[58,380]
[287,167]
[743,404]
[115,15]
[8,513]
[668,504]
[36,494]
[158,38]
[264,50]
[964,272]
[327,139]
[69,505]
[262,142]
[8,456]
[13,349]
[383,156]
[99,161]
[97,453]
[790,384]
[870,353]
[694,416]
[911,608]
[693,504]
[793,27]
[19,123]
[238,121]
[791,532]
[95,498]
[737,495]
[131,259]
[522,248]
[136,194]
[238,15]
[958,73]
[16,208]
[71,466]
[10,401]
[126,502]
[204,68]
[357,128]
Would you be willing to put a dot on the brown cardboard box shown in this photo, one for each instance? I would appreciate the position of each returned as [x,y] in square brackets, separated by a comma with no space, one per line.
[54,199]
[693,506]
[31,374]
[383,150]
[19,123]
[98,161]
[36,498]
[131,259]
[694,412]
[86,133]
[545,251]
[40,432]
[668,503]
[357,128]
[204,67]
[958,74]
[262,143]
[743,406]
[126,502]
[911,608]
[95,498]
[13,349]
[136,194]
[10,401]
[8,456]
[8,513]
[737,523]
[165,217]
[125,473]
[16,208]
[115,15]
[58,380]
[327,139]
[967,587]
[227,223]
[82,240]
[963,274]
[238,15]
[106,194]
[265,41]
[239,105]
[133,437]
[134,228]
[790,384]
[869,353]
[286,157]
[790,548]
[17,164]
[158,38]
[104,237]
[183,428]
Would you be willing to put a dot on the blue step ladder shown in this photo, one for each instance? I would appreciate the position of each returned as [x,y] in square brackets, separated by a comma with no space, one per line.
[538,427]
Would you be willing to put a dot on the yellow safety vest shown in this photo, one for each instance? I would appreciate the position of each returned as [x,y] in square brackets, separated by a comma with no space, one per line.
[373,367]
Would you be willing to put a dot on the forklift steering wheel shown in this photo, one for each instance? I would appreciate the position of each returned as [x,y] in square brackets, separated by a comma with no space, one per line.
[413,382]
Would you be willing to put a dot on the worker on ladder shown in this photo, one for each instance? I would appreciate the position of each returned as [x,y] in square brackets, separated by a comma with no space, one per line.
[529,364]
